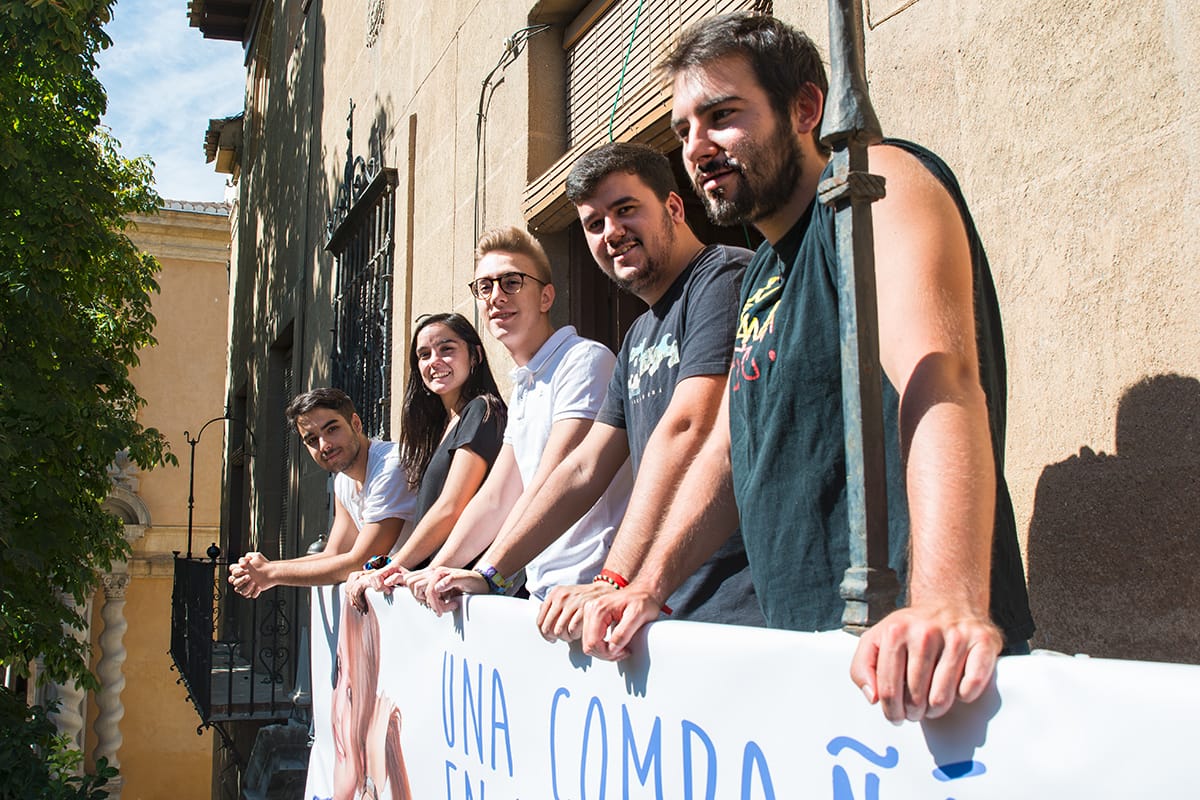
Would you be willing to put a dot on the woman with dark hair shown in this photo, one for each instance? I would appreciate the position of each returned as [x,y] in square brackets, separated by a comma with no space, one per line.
[452,431]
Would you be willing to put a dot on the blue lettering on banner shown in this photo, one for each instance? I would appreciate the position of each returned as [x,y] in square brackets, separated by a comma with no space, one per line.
[448,698]
[841,779]
[653,754]
[961,769]
[500,723]
[595,709]
[559,693]
[474,719]
[475,709]
[753,761]
[699,779]
[692,730]
[468,789]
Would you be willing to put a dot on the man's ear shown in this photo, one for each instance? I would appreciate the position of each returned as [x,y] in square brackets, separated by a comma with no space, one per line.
[807,109]
[675,208]
[547,297]
[356,423]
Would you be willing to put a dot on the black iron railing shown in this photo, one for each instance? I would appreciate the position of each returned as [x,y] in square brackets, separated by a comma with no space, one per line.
[236,657]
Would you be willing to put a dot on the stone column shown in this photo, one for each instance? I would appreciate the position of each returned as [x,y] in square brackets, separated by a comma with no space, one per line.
[71,696]
[112,679]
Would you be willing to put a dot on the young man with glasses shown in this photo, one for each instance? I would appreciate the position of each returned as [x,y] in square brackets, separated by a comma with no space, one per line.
[558,385]
[661,404]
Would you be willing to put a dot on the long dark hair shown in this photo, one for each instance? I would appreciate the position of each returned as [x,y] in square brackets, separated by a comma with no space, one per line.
[425,417]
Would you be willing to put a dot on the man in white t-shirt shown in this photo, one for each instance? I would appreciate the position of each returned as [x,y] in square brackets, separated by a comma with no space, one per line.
[372,502]
[558,387]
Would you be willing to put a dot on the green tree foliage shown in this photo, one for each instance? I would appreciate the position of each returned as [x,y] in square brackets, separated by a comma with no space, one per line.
[38,764]
[74,310]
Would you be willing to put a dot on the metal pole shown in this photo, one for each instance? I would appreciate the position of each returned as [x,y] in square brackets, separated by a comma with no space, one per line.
[870,586]
[192,470]
[191,484]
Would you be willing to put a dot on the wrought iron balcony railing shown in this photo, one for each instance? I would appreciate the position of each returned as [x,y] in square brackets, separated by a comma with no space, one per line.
[236,657]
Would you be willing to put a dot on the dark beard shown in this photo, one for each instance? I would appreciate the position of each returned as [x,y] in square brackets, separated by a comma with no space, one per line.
[774,169]
[652,270]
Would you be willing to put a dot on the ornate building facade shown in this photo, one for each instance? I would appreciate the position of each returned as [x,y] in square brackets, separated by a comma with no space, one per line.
[379,138]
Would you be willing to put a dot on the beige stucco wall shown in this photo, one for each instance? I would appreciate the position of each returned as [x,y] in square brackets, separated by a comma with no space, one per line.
[1067,123]
[182,381]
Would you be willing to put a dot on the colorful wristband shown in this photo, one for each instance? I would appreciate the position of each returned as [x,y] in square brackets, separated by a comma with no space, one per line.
[377,562]
[496,582]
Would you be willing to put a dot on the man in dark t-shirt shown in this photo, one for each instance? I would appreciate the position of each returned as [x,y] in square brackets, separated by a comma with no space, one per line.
[664,393]
[749,95]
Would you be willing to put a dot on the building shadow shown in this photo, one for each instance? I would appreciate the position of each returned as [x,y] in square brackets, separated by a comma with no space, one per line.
[1114,543]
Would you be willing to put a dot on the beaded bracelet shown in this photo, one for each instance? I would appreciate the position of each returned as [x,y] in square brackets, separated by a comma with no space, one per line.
[618,581]
[614,579]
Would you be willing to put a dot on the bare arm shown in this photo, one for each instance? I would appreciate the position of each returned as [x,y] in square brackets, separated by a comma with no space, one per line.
[678,438]
[345,552]
[465,476]
[510,552]
[701,517]
[483,517]
[942,647]
[517,546]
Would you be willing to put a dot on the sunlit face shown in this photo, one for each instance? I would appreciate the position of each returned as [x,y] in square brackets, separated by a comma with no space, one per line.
[631,233]
[333,441]
[744,160]
[513,318]
[444,360]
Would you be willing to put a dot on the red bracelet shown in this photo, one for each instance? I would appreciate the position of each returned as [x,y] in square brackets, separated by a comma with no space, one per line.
[617,581]
[614,578]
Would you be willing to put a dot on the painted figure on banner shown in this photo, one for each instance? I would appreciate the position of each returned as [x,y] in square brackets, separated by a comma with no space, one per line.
[368,763]
[748,99]
[373,505]
[661,402]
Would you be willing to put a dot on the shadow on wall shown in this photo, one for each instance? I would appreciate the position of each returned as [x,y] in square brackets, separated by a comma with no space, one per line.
[1114,543]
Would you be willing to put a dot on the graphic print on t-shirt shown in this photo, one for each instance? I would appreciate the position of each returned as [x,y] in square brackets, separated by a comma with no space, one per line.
[646,359]
[756,321]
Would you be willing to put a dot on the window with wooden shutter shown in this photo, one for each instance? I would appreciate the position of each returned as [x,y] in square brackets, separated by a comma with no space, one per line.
[596,42]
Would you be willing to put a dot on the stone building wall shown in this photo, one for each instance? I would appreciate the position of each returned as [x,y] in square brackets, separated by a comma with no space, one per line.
[1066,122]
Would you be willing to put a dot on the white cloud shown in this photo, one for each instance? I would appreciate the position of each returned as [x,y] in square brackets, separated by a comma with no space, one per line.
[164,82]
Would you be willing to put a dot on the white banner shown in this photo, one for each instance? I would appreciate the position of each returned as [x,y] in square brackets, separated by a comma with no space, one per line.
[477,706]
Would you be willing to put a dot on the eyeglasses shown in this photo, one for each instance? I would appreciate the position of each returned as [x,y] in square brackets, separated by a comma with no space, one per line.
[510,283]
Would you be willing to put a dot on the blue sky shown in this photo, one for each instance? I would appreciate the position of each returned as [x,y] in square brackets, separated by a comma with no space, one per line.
[164,82]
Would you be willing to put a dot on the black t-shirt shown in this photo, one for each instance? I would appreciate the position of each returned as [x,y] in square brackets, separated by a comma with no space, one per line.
[688,332]
[788,450]
[481,436]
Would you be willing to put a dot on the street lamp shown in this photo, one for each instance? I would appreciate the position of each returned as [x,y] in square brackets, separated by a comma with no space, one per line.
[192,467]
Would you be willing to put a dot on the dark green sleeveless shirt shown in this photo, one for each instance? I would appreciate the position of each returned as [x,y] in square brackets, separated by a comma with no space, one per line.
[789,462]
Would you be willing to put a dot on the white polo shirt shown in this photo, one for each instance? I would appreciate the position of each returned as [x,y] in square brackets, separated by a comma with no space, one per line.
[566,379]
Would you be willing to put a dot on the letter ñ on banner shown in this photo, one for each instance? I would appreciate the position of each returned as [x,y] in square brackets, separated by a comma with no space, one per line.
[870,586]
